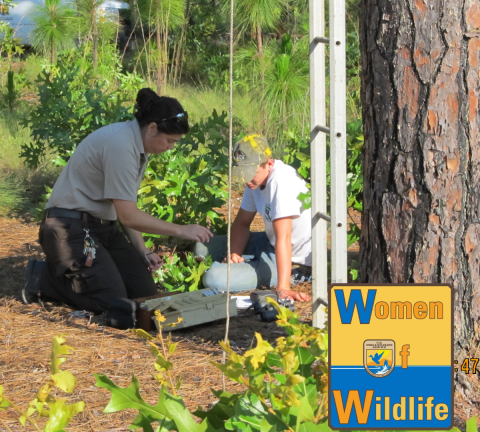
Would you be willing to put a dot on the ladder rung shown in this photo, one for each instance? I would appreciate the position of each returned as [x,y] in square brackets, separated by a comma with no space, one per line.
[324,216]
[319,39]
[319,128]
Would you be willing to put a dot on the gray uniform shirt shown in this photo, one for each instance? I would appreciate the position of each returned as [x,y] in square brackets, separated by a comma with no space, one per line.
[108,164]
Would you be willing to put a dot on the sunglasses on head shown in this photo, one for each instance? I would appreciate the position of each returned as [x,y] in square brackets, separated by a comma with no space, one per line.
[180,116]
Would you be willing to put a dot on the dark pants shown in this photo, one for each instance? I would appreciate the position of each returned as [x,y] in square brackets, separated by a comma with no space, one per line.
[118,270]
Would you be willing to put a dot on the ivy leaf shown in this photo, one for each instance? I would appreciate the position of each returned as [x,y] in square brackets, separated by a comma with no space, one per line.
[60,414]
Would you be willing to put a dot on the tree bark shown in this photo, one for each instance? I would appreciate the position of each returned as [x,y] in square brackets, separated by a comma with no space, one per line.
[95,53]
[259,41]
[94,31]
[420,95]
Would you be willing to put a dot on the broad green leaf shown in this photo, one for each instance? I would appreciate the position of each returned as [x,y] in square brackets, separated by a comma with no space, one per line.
[312,427]
[272,423]
[305,411]
[149,199]
[141,422]
[175,407]
[249,410]
[472,424]
[129,397]
[203,164]
[293,380]
[231,369]
[61,414]
[146,190]
[172,347]
[65,381]
[217,415]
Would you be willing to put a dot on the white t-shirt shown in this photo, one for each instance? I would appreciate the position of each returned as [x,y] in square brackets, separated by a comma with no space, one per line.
[279,199]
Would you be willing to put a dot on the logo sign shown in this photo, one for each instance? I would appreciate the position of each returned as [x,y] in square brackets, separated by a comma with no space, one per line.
[390,357]
[378,357]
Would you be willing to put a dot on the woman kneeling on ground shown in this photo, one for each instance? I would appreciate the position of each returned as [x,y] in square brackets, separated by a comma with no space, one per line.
[99,186]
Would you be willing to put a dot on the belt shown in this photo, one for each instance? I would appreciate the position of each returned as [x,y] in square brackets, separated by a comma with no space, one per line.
[56,212]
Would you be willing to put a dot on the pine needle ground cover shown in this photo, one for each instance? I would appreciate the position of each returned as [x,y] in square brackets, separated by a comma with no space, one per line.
[26,334]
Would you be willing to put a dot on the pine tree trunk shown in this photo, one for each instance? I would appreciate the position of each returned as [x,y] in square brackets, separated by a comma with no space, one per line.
[95,52]
[259,41]
[263,113]
[159,51]
[420,95]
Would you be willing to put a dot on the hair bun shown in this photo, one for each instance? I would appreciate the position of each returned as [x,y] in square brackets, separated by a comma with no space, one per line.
[145,100]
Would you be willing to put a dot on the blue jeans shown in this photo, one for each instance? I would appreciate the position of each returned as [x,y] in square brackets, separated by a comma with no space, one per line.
[259,269]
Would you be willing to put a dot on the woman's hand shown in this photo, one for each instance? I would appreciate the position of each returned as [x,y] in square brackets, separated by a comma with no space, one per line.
[195,232]
[154,260]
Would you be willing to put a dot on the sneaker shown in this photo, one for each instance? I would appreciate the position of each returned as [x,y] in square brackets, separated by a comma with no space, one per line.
[33,273]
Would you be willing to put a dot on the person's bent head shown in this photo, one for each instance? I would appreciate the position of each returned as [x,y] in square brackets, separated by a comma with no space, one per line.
[253,162]
[162,121]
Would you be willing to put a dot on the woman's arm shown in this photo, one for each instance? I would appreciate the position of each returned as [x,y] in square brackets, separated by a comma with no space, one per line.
[131,217]
[136,239]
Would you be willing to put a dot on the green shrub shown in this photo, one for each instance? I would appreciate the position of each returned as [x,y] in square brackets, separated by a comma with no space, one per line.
[9,44]
[285,386]
[187,184]
[84,108]
[45,404]
[178,275]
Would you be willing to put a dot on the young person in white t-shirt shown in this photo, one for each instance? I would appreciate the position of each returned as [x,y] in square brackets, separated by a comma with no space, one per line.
[263,259]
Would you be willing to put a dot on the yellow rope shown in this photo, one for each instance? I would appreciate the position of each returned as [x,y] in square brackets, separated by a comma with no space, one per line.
[230,150]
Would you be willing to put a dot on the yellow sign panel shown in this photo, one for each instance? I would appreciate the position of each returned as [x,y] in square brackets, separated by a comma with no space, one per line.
[391,356]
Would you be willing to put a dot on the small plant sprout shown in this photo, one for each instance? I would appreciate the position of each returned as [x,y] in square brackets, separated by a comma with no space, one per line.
[45,404]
